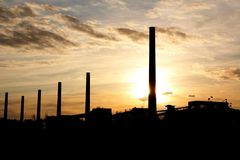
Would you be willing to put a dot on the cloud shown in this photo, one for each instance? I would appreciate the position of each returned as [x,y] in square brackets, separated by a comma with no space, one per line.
[197,6]
[164,8]
[13,63]
[227,73]
[219,73]
[27,35]
[178,9]
[20,11]
[191,96]
[45,7]
[231,73]
[75,24]
[132,34]
[21,26]
[167,93]
[10,64]
[172,31]
[116,4]
[177,35]
[41,26]
[144,99]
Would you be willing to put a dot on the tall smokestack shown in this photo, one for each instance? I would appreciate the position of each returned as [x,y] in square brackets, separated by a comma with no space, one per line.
[87,102]
[22,109]
[5,116]
[59,100]
[152,73]
[39,105]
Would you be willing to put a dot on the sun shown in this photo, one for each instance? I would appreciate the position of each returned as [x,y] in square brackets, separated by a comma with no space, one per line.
[140,88]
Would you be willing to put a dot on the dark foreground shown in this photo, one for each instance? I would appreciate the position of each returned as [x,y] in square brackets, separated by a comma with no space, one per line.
[175,132]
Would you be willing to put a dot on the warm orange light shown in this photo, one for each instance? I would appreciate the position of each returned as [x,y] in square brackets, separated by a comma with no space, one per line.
[140,88]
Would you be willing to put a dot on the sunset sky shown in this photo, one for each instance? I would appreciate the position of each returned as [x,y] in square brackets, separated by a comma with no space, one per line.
[46,41]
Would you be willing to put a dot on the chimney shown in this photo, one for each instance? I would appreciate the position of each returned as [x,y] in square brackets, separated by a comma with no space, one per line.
[87,101]
[59,100]
[152,105]
[22,109]
[6,107]
[39,105]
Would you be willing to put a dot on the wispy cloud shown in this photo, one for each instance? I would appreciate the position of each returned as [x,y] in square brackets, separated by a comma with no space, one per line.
[161,7]
[228,73]
[197,6]
[173,34]
[167,93]
[75,24]
[219,73]
[21,28]
[132,34]
[41,26]
[177,9]
[45,7]
[116,3]
[10,64]
[143,99]
[191,96]
[20,11]
[18,63]
[27,35]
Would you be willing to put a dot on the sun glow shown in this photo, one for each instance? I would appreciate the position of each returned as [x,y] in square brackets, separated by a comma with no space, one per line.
[140,88]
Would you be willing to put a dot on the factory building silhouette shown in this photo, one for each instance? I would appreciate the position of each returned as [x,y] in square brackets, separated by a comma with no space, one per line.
[207,113]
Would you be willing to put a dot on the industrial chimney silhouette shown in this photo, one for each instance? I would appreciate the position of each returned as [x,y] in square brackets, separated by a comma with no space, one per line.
[39,105]
[87,101]
[22,109]
[152,105]
[5,116]
[59,100]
